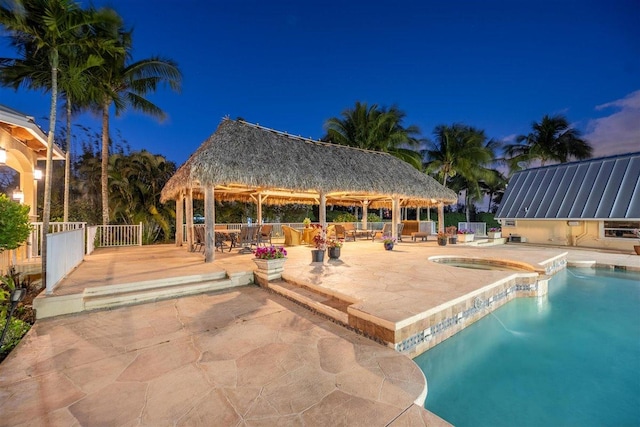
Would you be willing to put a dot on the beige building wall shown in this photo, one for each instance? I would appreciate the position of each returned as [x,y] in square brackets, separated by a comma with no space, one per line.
[23,160]
[588,234]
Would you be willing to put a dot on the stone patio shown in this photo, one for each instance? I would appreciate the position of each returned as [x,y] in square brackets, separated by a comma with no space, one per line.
[243,356]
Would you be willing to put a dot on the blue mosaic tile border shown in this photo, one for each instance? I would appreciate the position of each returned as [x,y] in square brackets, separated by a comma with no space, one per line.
[441,327]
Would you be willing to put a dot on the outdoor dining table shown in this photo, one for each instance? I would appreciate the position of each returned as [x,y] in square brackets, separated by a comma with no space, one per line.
[226,235]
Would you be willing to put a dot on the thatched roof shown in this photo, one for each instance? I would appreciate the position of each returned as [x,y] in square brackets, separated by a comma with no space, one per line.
[241,160]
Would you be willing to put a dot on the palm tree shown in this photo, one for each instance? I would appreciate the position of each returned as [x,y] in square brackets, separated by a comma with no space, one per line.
[136,182]
[553,139]
[41,31]
[377,129]
[494,188]
[460,151]
[125,85]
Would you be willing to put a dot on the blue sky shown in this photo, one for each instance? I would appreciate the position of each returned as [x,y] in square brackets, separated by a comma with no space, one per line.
[290,65]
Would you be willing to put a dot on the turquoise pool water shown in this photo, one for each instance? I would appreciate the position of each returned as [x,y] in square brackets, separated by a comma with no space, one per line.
[572,359]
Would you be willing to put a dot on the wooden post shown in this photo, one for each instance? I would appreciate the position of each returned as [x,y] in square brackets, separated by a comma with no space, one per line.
[323,210]
[209,224]
[365,212]
[180,219]
[189,213]
[440,217]
[395,216]
[259,219]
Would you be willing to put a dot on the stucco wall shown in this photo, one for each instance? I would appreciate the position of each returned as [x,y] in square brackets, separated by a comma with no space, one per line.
[23,160]
[557,232]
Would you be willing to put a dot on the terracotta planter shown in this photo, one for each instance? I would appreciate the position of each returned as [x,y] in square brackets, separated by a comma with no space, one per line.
[637,249]
[317,255]
[270,269]
[334,253]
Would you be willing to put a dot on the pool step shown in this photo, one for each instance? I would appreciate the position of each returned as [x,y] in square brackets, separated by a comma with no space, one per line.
[322,303]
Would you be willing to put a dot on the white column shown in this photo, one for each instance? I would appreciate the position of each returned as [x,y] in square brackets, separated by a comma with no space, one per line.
[209,224]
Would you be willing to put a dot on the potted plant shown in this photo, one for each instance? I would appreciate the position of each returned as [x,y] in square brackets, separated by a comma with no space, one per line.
[388,242]
[494,233]
[451,232]
[270,261]
[442,238]
[465,235]
[333,248]
[306,222]
[320,243]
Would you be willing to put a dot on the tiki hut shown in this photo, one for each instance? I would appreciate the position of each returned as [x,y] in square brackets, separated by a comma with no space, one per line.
[247,162]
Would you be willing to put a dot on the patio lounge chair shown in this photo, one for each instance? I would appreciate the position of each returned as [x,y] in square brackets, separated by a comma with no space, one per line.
[386,231]
[221,241]
[198,239]
[265,234]
[292,237]
[341,233]
[249,235]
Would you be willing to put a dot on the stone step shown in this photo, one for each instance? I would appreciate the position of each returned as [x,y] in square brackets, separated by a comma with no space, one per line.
[103,297]
[129,295]
[325,304]
[152,284]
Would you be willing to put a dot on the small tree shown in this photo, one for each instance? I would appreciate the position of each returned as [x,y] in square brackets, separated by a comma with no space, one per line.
[14,223]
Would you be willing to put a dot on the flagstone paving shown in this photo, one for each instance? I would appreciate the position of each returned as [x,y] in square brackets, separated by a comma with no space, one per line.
[243,357]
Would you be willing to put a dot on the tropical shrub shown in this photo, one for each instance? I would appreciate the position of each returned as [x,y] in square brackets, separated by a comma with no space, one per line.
[345,217]
[14,223]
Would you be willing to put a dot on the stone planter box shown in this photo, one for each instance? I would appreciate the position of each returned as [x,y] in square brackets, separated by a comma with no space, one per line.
[494,234]
[465,238]
[270,269]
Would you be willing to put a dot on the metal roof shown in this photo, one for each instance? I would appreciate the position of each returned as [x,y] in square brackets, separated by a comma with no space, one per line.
[603,188]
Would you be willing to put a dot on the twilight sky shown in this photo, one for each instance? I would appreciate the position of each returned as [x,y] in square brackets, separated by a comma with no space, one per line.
[497,65]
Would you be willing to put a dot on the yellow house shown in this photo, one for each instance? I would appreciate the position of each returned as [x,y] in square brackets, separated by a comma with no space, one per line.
[22,144]
[593,203]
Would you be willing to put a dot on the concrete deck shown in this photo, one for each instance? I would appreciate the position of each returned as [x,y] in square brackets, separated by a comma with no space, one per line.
[244,356]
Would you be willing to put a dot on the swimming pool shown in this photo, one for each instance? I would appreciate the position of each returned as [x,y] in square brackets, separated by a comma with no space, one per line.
[570,359]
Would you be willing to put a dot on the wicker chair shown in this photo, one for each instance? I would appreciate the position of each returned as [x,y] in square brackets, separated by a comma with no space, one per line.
[292,237]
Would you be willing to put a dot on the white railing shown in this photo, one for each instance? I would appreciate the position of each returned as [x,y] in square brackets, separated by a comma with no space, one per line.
[478,228]
[34,244]
[92,230]
[427,227]
[61,262]
[118,235]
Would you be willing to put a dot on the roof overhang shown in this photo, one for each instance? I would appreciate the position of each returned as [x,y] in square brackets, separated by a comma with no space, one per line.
[24,129]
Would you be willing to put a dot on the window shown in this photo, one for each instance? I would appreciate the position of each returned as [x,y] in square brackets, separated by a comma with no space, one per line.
[509,223]
[621,229]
